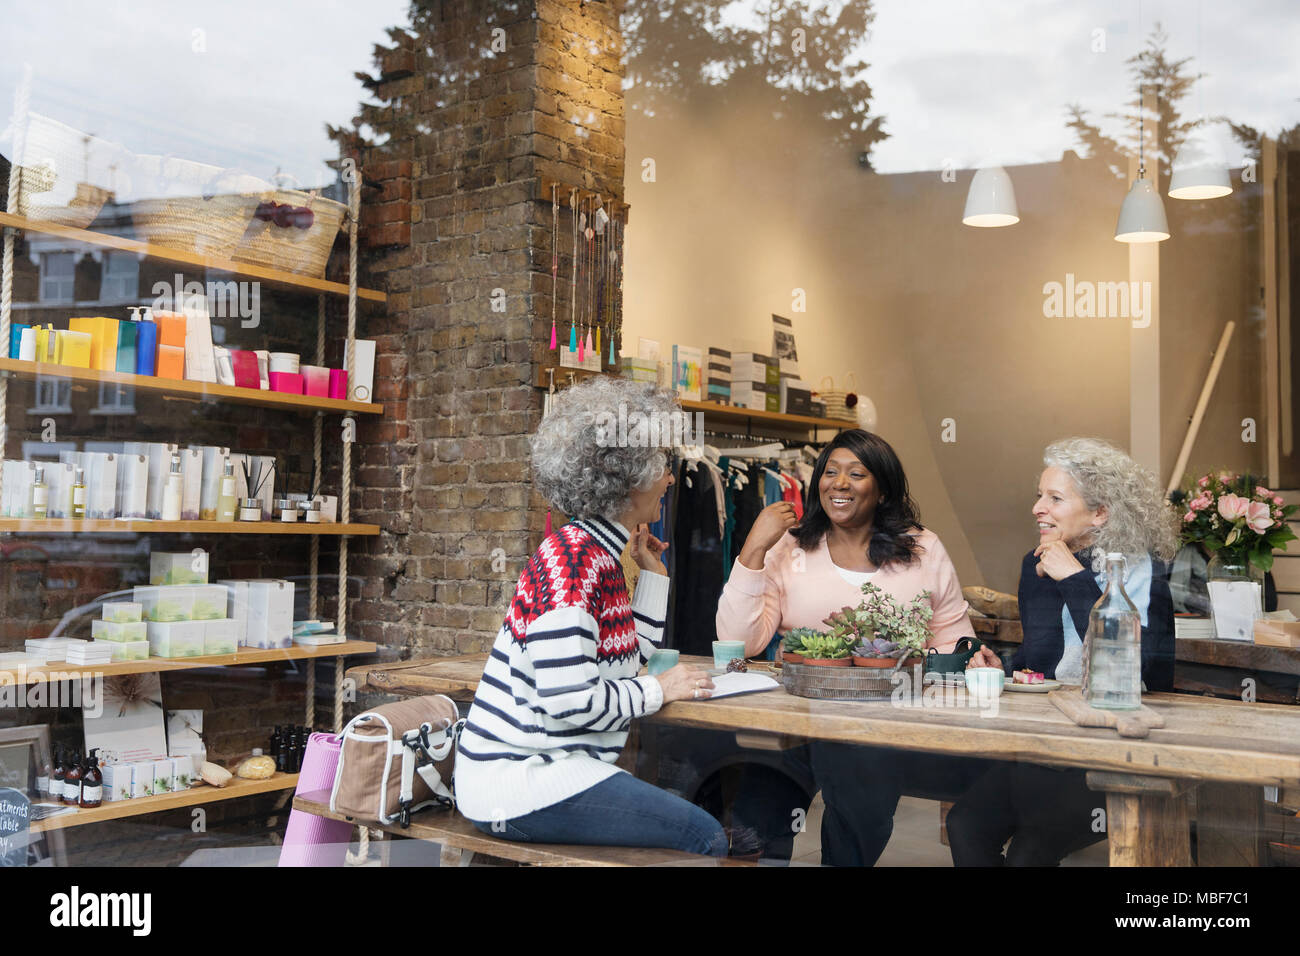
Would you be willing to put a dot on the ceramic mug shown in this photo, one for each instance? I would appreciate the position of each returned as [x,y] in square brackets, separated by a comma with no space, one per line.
[985,682]
[724,651]
[661,661]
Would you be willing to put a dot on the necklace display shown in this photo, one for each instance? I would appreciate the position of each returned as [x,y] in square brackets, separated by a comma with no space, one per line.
[573,272]
[555,258]
[596,230]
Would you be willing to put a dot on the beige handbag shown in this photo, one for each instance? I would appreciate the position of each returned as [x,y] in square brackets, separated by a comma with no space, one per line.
[837,400]
[394,760]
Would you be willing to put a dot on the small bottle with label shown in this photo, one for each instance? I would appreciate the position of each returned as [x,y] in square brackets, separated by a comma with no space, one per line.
[78,506]
[171,509]
[43,779]
[56,776]
[38,502]
[72,781]
[92,782]
[227,503]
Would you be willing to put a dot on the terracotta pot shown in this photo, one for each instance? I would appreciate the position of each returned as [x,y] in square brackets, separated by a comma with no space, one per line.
[790,657]
[874,661]
[828,661]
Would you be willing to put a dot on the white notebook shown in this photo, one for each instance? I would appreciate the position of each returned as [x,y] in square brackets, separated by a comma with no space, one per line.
[728,685]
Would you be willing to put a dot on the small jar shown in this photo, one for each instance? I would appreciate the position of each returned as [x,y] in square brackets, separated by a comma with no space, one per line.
[286,510]
[250,509]
[310,511]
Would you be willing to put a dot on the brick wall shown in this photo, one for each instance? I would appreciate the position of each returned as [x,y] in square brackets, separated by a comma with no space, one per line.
[490,100]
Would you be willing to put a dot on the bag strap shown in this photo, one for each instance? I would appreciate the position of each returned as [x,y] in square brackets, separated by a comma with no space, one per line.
[850,382]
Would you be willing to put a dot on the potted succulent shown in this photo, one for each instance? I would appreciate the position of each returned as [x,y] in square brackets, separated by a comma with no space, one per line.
[887,632]
[827,650]
[792,644]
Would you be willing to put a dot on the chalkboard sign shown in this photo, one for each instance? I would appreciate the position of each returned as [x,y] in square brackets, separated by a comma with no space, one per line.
[15,818]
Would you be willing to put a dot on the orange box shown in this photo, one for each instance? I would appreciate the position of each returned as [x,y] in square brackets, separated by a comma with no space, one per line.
[171,361]
[171,331]
[103,340]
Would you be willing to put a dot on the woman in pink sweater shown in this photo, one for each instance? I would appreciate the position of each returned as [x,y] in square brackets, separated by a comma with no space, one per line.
[860,525]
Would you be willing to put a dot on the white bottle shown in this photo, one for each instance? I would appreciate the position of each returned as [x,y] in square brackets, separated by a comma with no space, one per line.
[171,509]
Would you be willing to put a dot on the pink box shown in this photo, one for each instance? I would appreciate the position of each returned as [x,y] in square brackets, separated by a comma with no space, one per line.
[316,380]
[338,383]
[290,382]
[244,365]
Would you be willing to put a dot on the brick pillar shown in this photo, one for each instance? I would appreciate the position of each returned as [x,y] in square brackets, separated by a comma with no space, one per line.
[483,104]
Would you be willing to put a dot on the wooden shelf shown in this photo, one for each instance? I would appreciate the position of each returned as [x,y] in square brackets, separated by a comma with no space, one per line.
[712,410]
[195,796]
[276,277]
[58,670]
[108,525]
[199,391]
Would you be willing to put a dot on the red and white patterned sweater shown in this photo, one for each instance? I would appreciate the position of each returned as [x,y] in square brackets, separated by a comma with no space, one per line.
[560,689]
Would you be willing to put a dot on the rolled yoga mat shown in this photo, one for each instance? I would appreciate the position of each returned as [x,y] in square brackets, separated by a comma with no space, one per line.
[311,840]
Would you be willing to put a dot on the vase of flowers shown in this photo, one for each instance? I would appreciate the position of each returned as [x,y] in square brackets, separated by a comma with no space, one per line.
[1239,523]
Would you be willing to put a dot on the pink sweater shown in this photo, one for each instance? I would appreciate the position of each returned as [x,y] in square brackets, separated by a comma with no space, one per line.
[790,592]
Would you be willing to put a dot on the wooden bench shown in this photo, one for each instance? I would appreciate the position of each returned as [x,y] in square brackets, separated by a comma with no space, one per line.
[450,829]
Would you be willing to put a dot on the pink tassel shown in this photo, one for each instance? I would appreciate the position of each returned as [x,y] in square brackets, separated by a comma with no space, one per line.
[552,336]
[588,338]
[548,524]
[581,349]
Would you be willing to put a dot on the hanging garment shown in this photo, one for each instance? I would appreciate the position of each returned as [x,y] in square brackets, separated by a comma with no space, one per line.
[749,502]
[792,493]
[697,572]
[729,517]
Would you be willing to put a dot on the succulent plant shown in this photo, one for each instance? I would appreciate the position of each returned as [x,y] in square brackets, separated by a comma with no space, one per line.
[793,639]
[826,647]
[877,647]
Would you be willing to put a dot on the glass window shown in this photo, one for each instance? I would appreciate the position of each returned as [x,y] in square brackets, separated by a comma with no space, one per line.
[121,280]
[57,270]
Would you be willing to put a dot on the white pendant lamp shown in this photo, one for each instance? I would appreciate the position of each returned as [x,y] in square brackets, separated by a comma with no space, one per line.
[1142,216]
[991,200]
[1198,173]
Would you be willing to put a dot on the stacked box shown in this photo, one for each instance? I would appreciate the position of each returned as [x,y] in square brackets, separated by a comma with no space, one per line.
[219,637]
[270,613]
[176,638]
[756,395]
[122,612]
[796,396]
[166,602]
[755,367]
[237,608]
[117,781]
[178,567]
[717,376]
[641,369]
[118,633]
[209,602]
[142,778]
[129,650]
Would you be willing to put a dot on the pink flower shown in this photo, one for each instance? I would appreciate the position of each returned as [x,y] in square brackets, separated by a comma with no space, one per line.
[1199,503]
[1258,517]
[1262,491]
[1189,517]
[1233,507]
[1203,481]
[1277,500]
[1226,476]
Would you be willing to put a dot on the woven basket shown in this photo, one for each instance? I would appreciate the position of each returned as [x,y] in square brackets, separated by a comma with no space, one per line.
[64,174]
[290,249]
[199,208]
[834,398]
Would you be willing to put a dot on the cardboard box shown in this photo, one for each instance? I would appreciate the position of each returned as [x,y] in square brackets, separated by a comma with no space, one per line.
[119,632]
[162,776]
[176,638]
[103,334]
[237,608]
[122,612]
[171,362]
[219,637]
[796,397]
[1277,633]
[209,602]
[141,778]
[72,348]
[178,567]
[118,781]
[166,602]
[270,613]
[182,772]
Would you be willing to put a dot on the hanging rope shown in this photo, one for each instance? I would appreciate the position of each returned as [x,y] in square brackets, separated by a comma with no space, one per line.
[7,269]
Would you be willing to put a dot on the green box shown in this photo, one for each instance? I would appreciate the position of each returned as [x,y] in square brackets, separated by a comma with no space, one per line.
[176,639]
[209,602]
[178,567]
[219,636]
[166,603]
[123,612]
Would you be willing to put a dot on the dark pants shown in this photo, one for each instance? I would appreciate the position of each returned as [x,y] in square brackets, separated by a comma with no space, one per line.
[860,787]
[1047,814]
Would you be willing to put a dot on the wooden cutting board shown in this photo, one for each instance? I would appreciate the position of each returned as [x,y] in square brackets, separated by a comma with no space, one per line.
[1127,723]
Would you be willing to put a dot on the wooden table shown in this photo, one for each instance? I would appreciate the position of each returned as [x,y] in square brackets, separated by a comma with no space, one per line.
[1226,750]
[1203,666]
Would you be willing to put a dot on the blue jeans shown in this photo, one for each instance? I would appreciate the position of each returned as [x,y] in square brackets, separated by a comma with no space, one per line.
[620,811]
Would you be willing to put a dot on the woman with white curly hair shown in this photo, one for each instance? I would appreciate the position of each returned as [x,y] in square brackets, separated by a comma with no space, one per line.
[560,688]
[1092,499]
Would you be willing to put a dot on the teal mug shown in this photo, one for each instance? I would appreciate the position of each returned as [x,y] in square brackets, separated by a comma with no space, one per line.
[661,661]
[725,651]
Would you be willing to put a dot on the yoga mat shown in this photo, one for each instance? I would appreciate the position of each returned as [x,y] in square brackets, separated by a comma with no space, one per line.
[311,840]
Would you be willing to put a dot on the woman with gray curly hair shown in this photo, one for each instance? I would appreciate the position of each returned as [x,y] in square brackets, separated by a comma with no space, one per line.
[560,687]
[1092,499]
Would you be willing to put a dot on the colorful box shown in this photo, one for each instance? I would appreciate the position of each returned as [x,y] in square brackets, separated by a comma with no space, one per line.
[178,567]
[209,602]
[315,380]
[118,632]
[219,636]
[73,348]
[16,330]
[176,639]
[290,382]
[244,366]
[171,362]
[171,330]
[167,603]
[103,334]
[338,383]
[117,781]
[127,335]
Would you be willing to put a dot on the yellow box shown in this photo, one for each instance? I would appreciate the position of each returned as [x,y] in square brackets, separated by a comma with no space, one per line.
[103,333]
[72,348]
[46,344]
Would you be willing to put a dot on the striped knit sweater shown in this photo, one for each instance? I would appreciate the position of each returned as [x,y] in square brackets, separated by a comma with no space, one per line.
[559,690]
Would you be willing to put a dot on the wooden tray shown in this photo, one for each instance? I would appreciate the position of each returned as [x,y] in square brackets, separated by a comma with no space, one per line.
[1127,723]
[847,683]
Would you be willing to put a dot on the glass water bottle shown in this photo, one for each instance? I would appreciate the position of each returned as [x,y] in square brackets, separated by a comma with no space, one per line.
[1112,652]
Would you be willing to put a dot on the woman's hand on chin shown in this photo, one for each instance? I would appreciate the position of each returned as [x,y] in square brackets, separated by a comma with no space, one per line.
[1055,560]
[647,551]
[769,527]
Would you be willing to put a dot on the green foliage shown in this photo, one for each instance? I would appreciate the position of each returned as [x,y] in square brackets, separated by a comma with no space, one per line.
[826,647]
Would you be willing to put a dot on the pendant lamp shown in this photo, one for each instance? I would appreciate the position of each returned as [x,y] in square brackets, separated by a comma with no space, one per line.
[991,200]
[1198,173]
[1142,216]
